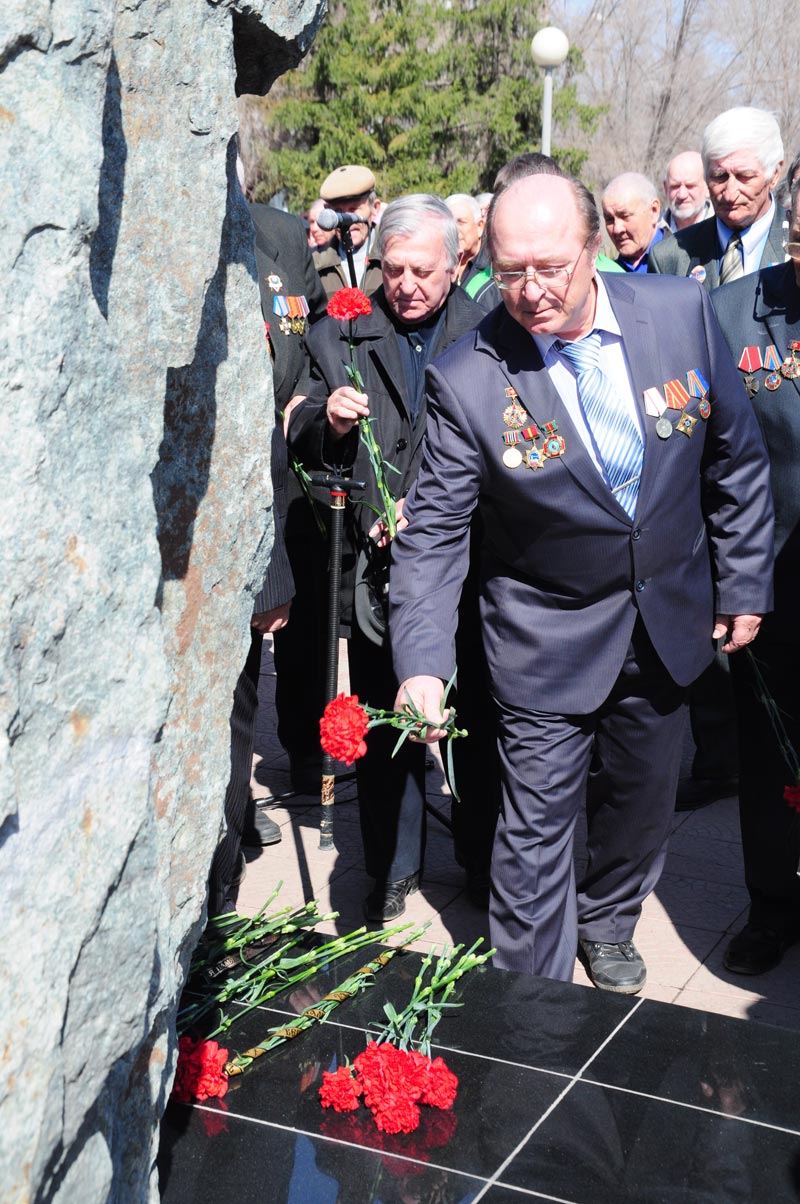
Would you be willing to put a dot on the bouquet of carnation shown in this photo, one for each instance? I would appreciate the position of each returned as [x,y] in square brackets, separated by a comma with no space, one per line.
[346,306]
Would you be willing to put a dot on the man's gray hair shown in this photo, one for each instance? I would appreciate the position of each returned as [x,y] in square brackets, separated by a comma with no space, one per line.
[463,198]
[411,215]
[634,184]
[744,129]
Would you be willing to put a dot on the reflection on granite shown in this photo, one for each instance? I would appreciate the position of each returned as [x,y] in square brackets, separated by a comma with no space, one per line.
[569,1093]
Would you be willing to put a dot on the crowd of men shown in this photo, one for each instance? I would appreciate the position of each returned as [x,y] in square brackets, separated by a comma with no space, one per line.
[589,456]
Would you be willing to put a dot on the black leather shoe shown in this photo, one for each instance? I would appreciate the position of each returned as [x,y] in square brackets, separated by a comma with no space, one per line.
[694,793]
[264,831]
[387,900]
[755,950]
[615,967]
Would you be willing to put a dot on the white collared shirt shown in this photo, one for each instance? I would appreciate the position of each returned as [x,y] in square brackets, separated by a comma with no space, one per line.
[613,363]
[753,239]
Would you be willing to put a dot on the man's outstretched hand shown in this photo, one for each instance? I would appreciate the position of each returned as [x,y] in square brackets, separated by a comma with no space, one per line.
[426,695]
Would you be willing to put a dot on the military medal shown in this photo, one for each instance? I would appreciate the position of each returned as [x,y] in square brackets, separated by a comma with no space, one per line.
[275,283]
[696,383]
[654,403]
[790,368]
[704,409]
[534,458]
[676,395]
[772,381]
[514,415]
[686,424]
[512,457]
[293,311]
[553,444]
[663,428]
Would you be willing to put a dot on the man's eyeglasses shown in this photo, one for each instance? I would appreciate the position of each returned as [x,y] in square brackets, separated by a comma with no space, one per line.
[544,277]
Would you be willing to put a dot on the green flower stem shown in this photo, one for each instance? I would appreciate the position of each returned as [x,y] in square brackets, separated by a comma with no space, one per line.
[266,989]
[352,986]
[379,467]
[305,484]
[428,1001]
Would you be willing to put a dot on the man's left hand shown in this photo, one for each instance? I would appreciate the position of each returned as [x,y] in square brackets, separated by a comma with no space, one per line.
[267,621]
[741,630]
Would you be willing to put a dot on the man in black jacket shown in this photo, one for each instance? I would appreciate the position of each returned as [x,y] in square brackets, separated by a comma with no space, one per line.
[291,295]
[416,314]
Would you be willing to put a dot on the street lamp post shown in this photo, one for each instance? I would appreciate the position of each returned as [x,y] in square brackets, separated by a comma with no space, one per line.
[549,48]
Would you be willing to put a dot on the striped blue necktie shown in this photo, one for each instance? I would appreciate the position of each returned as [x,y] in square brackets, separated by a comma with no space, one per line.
[614,431]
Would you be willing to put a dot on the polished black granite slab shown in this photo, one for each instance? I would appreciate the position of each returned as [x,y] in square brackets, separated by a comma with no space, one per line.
[565,1094]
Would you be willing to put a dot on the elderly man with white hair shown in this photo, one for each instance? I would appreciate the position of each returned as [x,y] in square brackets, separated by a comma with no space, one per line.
[469,220]
[686,191]
[631,209]
[742,155]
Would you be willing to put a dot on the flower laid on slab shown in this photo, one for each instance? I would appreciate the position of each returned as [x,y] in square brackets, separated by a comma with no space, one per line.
[199,1074]
[393,1082]
[346,721]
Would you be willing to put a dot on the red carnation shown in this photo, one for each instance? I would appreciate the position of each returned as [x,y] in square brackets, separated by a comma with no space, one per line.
[199,1074]
[340,1090]
[792,796]
[442,1085]
[349,304]
[343,726]
[396,1114]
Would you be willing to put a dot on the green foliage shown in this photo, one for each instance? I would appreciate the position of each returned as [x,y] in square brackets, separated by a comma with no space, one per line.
[433,95]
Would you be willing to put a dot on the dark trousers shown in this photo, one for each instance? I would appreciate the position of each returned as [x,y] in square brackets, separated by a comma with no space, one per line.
[299,647]
[536,913]
[770,828]
[239,805]
[712,714]
[391,792]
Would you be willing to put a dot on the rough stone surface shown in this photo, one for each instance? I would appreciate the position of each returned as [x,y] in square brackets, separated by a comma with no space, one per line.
[135,526]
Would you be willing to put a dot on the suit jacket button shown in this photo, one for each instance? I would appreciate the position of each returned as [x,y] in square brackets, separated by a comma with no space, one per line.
[636,533]
[402,444]
[639,586]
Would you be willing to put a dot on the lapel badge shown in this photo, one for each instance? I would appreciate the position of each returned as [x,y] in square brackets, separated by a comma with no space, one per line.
[696,383]
[663,428]
[698,273]
[534,458]
[512,457]
[704,408]
[772,381]
[514,415]
[275,283]
[676,395]
[686,424]
[654,403]
[772,361]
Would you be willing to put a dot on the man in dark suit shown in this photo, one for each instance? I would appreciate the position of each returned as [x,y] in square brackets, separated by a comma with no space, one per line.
[743,155]
[760,318]
[627,521]
[291,294]
[416,313]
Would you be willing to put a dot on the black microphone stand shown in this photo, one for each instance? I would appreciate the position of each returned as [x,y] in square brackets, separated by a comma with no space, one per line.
[347,242]
[340,487]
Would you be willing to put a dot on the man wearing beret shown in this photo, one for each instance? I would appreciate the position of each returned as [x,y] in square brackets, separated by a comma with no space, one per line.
[350,189]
